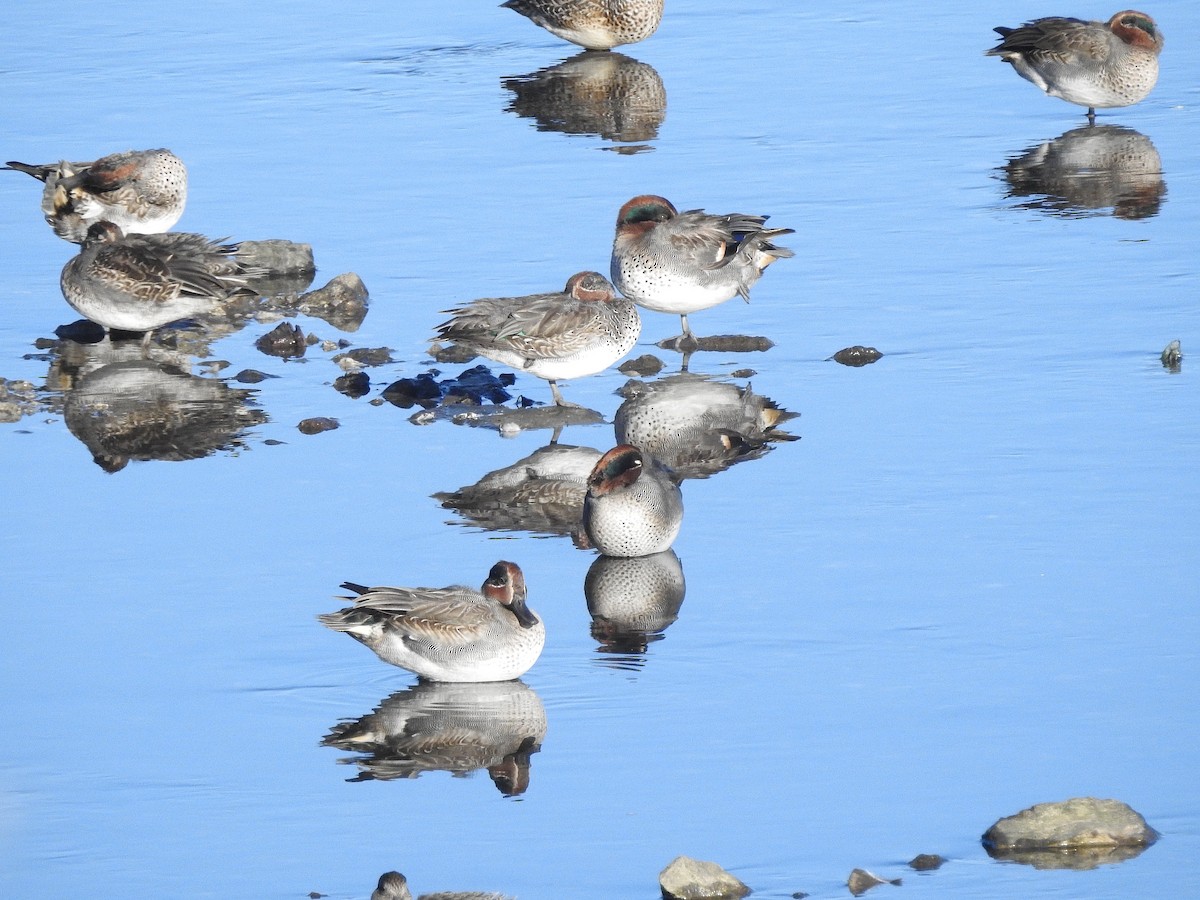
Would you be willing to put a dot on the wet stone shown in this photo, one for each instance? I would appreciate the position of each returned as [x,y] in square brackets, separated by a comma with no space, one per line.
[743,373]
[83,331]
[695,879]
[251,376]
[926,862]
[367,356]
[342,302]
[277,256]
[477,385]
[645,365]
[317,424]
[451,354]
[1080,833]
[856,356]
[1172,357]
[285,340]
[353,385]
[421,391]
[861,881]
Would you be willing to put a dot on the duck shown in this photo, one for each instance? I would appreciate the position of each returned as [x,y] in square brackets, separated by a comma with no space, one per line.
[140,282]
[448,634]
[1098,65]
[633,505]
[141,191]
[593,24]
[578,331]
[674,262]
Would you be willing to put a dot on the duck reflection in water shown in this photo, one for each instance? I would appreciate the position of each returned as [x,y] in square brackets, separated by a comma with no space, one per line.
[696,426]
[541,493]
[608,95]
[394,886]
[125,409]
[454,727]
[1090,170]
[141,191]
[632,601]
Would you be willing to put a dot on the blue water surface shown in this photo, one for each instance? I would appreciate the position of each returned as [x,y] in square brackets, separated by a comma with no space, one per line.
[969,587]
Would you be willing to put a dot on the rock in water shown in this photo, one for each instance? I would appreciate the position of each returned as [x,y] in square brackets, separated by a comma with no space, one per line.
[694,879]
[1080,833]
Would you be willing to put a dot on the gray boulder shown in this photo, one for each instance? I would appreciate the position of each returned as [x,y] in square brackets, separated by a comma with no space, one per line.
[694,879]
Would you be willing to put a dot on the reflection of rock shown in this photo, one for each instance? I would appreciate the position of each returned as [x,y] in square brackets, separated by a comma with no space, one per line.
[601,93]
[452,727]
[1090,170]
[633,599]
[509,422]
[541,493]
[698,427]
[1080,833]
[342,302]
[17,399]
[143,410]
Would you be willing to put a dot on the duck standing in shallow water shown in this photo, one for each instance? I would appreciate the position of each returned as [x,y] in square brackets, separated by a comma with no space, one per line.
[633,506]
[140,282]
[141,191]
[448,634]
[593,24]
[580,330]
[676,262]
[1093,64]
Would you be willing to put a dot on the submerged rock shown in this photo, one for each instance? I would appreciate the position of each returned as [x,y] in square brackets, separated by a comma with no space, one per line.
[926,862]
[694,879]
[1080,833]
[861,881]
